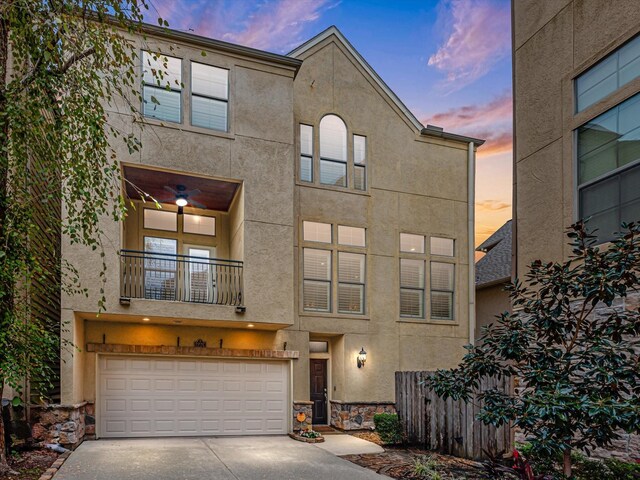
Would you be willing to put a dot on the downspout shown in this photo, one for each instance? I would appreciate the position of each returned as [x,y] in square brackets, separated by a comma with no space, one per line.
[471,189]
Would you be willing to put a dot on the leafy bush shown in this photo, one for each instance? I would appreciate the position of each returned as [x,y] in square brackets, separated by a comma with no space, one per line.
[388,427]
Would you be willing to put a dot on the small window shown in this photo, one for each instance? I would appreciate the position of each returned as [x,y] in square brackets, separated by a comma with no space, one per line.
[608,75]
[316,232]
[209,97]
[411,288]
[160,220]
[442,281]
[333,151]
[411,243]
[359,162]
[306,153]
[199,224]
[318,347]
[317,280]
[162,87]
[442,246]
[351,236]
[351,282]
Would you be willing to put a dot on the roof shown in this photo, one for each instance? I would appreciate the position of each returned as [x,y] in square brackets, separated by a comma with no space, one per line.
[429,131]
[495,266]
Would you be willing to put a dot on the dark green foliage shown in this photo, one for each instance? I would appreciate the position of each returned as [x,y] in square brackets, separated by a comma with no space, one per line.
[388,427]
[572,346]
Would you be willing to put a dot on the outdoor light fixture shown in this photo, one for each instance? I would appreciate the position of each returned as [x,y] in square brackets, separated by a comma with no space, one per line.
[362,358]
[146,319]
[181,202]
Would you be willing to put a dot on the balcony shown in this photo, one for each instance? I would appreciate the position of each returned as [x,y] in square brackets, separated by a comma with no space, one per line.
[180,278]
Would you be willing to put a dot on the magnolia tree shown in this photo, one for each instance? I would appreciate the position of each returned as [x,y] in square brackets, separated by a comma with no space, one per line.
[63,65]
[572,344]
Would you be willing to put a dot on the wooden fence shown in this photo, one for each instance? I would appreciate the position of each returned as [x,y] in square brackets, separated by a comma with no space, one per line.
[447,426]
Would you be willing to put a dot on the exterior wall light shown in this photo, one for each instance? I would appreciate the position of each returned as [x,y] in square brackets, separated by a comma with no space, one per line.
[362,358]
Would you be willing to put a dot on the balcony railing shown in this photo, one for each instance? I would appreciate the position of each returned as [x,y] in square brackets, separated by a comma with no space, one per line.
[180,278]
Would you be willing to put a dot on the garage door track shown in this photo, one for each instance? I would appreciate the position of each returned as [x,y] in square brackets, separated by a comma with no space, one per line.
[222,458]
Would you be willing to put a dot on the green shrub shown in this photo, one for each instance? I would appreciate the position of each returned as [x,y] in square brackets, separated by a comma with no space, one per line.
[388,427]
[623,470]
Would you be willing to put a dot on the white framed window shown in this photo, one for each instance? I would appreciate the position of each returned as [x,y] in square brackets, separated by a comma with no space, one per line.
[199,224]
[442,246]
[160,220]
[316,296]
[333,151]
[354,236]
[411,288]
[160,268]
[608,75]
[351,282]
[306,153]
[316,232]
[359,162]
[442,290]
[608,157]
[411,243]
[162,87]
[209,97]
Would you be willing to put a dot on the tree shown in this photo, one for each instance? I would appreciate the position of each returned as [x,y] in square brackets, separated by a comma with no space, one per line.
[572,346]
[63,65]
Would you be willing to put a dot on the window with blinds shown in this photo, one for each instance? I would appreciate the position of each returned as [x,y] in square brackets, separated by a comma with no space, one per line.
[442,287]
[351,282]
[317,280]
[333,151]
[162,87]
[411,288]
[209,97]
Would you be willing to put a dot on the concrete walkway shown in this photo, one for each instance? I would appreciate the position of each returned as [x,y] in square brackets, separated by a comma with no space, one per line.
[343,444]
[222,458]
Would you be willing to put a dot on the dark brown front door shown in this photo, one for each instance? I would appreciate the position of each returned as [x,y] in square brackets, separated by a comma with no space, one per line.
[318,369]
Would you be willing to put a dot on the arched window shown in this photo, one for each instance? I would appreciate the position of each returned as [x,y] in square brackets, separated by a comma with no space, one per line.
[333,151]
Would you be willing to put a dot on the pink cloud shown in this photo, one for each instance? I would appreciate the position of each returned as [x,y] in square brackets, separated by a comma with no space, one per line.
[490,121]
[275,25]
[479,36]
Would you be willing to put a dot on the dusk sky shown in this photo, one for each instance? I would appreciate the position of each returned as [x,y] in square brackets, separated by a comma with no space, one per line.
[449,61]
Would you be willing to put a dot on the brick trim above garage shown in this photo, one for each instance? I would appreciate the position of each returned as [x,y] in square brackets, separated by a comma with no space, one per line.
[190,351]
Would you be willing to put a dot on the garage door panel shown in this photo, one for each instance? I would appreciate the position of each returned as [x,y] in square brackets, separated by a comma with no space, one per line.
[174,397]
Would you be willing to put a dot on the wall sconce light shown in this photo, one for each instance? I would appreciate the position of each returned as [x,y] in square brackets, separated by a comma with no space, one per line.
[362,358]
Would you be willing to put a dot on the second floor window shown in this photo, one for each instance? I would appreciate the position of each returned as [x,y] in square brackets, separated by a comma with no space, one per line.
[162,87]
[333,151]
[609,168]
[209,97]
[442,278]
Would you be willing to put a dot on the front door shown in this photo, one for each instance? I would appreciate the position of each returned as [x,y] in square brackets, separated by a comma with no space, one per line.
[318,369]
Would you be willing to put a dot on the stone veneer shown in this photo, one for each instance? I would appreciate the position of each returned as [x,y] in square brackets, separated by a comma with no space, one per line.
[66,425]
[305,407]
[357,415]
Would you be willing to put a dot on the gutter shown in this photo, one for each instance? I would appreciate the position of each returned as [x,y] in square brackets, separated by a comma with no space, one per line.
[471,189]
[434,131]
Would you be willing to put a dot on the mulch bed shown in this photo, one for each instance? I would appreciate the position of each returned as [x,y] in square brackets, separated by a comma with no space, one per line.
[399,463]
[30,464]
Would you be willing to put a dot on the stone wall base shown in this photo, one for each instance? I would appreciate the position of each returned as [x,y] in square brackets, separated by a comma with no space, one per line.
[66,425]
[302,409]
[357,415]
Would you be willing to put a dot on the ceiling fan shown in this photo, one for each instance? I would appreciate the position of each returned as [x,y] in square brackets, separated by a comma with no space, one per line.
[181,197]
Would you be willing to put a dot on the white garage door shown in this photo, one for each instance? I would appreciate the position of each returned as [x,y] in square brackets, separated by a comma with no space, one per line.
[152,397]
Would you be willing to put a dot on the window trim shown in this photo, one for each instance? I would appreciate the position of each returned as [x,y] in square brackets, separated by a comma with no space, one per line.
[155,85]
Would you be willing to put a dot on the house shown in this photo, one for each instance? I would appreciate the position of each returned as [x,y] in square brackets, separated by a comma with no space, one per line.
[314,238]
[493,273]
[577,118]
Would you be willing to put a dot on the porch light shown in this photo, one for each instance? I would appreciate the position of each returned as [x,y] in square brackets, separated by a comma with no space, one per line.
[146,319]
[362,358]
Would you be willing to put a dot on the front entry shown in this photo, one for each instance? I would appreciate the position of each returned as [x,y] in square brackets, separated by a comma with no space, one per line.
[318,370]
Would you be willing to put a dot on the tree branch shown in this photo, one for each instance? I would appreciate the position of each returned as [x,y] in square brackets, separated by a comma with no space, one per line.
[76,57]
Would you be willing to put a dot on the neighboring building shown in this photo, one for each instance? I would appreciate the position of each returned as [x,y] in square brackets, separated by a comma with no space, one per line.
[576,126]
[320,218]
[493,273]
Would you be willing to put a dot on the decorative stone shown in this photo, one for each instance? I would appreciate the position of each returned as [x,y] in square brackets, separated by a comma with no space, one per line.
[357,415]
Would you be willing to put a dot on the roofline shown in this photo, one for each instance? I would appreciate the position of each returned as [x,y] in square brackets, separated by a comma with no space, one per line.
[492,283]
[219,45]
[333,30]
[436,132]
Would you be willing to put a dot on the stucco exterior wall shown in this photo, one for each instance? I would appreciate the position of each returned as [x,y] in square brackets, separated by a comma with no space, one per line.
[490,302]
[553,43]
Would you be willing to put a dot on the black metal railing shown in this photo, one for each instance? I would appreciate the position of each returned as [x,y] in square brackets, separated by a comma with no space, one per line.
[180,278]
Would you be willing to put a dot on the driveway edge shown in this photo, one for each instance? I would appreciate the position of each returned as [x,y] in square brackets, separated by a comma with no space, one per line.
[55,466]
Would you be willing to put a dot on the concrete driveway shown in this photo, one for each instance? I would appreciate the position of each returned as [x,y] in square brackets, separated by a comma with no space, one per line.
[222,458]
